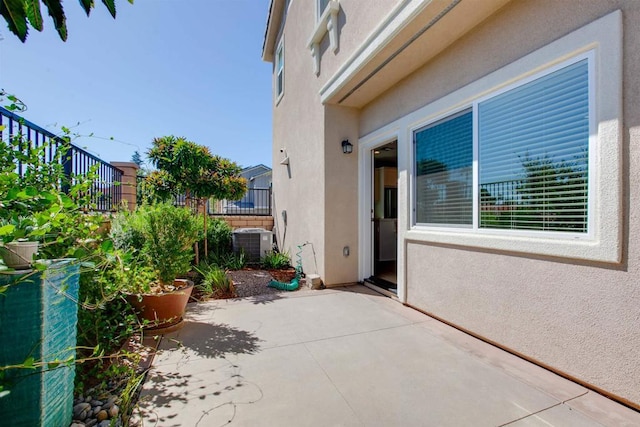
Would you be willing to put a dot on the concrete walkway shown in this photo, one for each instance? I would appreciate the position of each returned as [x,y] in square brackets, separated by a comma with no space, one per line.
[351,357]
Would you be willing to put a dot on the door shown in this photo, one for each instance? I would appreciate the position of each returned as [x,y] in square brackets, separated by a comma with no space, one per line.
[384,217]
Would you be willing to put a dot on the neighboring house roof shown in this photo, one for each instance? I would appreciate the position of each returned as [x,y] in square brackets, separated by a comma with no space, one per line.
[253,172]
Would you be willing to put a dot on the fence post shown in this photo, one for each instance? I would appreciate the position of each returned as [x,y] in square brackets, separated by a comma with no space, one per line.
[129,182]
[67,163]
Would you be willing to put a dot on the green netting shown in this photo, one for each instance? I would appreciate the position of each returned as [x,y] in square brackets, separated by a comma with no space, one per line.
[38,317]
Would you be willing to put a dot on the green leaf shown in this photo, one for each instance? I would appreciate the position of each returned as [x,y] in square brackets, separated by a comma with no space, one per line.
[4,393]
[29,361]
[53,365]
[107,246]
[16,17]
[7,229]
[12,194]
[87,5]
[57,14]
[111,5]
[3,289]
[34,15]
[79,253]
[66,201]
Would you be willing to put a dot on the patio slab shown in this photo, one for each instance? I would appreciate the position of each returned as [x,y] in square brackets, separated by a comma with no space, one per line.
[351,357]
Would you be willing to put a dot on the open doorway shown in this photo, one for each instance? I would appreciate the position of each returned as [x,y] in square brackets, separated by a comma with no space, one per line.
[384,217]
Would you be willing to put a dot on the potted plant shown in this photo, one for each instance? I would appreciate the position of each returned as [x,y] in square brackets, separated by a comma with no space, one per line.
[158,241]
[18,248]
[278,264]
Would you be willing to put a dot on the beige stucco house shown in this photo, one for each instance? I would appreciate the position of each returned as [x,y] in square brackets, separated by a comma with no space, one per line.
[494,178]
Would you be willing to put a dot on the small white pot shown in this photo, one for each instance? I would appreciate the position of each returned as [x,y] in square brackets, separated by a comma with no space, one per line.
[19,255]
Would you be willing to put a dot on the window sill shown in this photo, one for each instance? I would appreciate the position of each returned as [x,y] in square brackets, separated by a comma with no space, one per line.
[328,23]
[566,245]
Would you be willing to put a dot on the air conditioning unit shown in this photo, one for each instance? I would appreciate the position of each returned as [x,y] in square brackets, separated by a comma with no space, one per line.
[254,242]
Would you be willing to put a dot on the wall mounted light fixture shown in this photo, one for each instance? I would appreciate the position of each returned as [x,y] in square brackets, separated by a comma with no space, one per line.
[285,160]
[347,147]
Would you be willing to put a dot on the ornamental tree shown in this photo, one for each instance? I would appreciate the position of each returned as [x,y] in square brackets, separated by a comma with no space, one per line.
[186,168]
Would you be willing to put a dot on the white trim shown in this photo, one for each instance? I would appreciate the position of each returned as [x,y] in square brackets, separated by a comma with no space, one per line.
[404,12]
[365,207]
[604,244]
[279,48]
[327,23]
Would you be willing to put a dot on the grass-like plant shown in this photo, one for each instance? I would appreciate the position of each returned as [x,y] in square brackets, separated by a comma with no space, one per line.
[214,280]
[273,260]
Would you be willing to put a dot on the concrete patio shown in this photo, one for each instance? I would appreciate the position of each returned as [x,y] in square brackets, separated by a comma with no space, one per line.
[351,357]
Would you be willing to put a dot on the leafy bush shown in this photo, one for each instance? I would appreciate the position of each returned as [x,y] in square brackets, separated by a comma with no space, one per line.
[219,235]
[275,260]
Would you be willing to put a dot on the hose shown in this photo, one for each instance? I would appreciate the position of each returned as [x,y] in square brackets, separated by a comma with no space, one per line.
[295,283]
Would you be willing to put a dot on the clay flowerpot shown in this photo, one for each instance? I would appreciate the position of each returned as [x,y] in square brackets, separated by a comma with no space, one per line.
[163,311]
[285,275]
[18,255]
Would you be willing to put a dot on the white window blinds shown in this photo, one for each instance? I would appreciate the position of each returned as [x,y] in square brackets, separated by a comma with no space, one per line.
[533,154]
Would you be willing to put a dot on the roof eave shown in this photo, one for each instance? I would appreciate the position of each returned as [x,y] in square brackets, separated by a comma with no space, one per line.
[271,32]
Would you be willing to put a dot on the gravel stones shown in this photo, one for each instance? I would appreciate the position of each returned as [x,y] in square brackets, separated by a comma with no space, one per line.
[91,412]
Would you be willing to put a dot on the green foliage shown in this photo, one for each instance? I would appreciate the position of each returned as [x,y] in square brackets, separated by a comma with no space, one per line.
[215,280]
[19,14]
[229,261]
[219,235]
[185,167]
[273,260]
[32,206]
[160,237]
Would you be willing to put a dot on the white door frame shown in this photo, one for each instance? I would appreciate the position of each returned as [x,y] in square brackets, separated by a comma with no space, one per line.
[365,192]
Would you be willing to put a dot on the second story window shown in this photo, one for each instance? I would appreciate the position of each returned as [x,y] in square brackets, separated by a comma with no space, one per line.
[279,84]
[322,5]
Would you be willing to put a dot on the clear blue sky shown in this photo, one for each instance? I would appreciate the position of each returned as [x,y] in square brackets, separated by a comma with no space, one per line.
[187,68]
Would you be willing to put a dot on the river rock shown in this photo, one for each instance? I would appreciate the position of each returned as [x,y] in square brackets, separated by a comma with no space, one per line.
[113,411]
[102,415]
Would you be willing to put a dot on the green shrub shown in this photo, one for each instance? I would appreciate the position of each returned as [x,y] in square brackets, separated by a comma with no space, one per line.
[169,235]
[127,230]
[273,260]
[215,280]
[219,235]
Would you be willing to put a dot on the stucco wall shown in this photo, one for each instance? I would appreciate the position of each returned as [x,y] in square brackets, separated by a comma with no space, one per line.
[341,191]
[355,25]
[318,189]
[298,127]
[578,317]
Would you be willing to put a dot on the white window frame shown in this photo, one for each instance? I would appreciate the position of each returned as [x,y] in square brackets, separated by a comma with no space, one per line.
[602,39]
[279,88]
[474,107]
[320,9]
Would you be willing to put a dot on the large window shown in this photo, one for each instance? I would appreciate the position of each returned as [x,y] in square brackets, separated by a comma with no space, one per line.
[532,145]
[444,156]
[279,83]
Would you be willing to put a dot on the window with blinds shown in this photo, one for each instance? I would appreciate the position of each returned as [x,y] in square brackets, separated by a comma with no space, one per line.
[532,156]
[444,156]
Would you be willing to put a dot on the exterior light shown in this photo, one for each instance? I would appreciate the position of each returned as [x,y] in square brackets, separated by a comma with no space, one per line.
[347,147]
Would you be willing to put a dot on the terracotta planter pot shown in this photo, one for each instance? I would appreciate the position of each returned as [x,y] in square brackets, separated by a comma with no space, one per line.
[19,255]
[163,310]
[283,275]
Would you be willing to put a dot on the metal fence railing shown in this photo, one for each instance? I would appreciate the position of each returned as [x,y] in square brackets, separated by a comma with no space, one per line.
[105,191]
[256,201]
